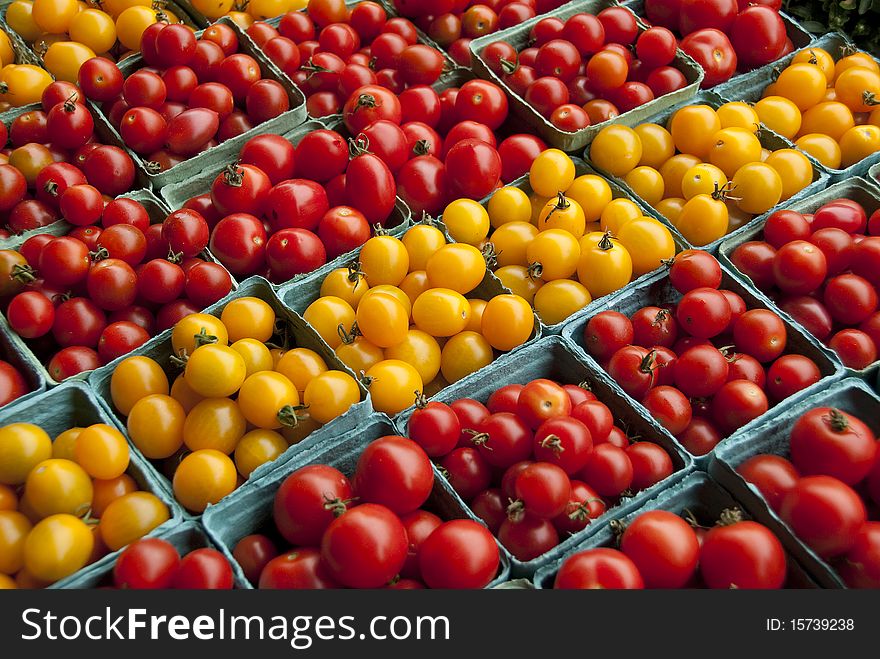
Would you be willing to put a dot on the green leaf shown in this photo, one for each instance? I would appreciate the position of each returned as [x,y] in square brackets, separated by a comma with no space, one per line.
[865,5]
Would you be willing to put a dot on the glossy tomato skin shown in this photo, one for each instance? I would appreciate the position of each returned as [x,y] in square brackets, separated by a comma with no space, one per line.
[371,183]
[240,189]
[758,35]
[238,241]
[714,52]
[300,511]
[565,442]
[418,524]
[368,104]
[833,442]
[503,439]
[436,428]
[203,569]
[467,471]
[481,101]
[606,333]
[395,472]
[459,554]
[517,153]
[528,537]
[474,168]
[78,321]
[650,463]
[423,185]
[365,547]
[825,513]
[860,568]
[601,567]
[774,476]
[12,384]
[742,555]
[584,505]
[71,361]
[301,568]
[149,563]
[541,400]
[664,548]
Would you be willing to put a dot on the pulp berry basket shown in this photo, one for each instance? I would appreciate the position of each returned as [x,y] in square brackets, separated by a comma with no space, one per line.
[297,333]
[697,496]
[866,193]
[157,212]
[249,510]
[23,53]
[177,194]
[228,149]
[750,88]
[850,395]
[518,37]
[617,191]
[185,537]
[75,405]
[769,140]
[657,290]
[874,173]
[556,358]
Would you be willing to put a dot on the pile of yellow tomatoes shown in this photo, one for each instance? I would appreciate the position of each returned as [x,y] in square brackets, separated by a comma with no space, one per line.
[706,171]
[569,241]
[245,13]
[65,33]
[407,316]
[65,503]
[20,84]
[239,403]
[828,108]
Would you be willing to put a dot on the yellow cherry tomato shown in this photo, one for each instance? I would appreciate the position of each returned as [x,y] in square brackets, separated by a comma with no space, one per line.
[670,208]
[557,300]
[262,10]
[395,292]
[64,58]
[440,312]
[359,354]
[133,379]
[94,29]
[817,57]
[509,204]
[466,221]
[64,444]
[732,148]
[414,284]
[384,260]
[248,318]
[255,354]
[327,315]
[757,187]
[131,23]
[648,242]
[510,242]
[780,115]
[793,168]
[14,530]
[858,143]
[693,129]
[215,370]
[616,149]
[8,498]
[537,202]
[822,147]
[703,219]
[215,423]
[345,283]
[23,84]
[551,172]
[59,486]
[116,7]
[553,254]
[702,179]
[202,478]
[195,330]
[562,213]
[57,547]
[464,354]
[242,19]
[605,265]
[7,583]
[268,400]
[256,449]
[393,385]
[131,517]
[330,395]
[213,9]
[476,319]
[657,145]
[102,451]
[457,266]
[301,365]
[382,319]
[22,447]
[184,394]
[519,280]
[830,118]
[7,53]
[858,88]
[803,84]
[421,242]
[107,491]
[673,171]
[737,114]
[508,322]
[617,213]
[20,17]
[54,16]
[420,350]
[855,60]
[647,183]
[592,193]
